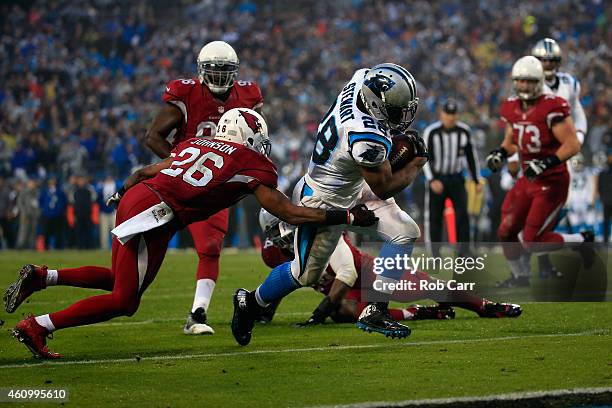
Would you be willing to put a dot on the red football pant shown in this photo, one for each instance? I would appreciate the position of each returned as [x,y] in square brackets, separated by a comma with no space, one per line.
[134,266]
[533,207]
[208,238]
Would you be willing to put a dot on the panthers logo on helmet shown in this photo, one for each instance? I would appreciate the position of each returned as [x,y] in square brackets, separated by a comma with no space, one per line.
[379,84]
[252,121]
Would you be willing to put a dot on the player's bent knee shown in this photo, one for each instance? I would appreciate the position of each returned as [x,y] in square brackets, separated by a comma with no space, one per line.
[210,250]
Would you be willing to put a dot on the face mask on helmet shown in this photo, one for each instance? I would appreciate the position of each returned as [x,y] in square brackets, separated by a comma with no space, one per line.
[527,88]
[218,76]
[281,235]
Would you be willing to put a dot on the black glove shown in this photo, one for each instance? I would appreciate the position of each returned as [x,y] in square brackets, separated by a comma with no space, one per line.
[496,159]
[360,216]
[325,308]
[537,166]
[420,149]
[115,198]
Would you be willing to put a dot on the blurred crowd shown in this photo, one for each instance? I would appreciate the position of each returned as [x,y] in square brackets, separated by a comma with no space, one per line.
[81,81]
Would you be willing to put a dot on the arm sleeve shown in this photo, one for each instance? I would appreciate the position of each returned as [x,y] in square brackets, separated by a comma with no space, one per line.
[580,120]
[472,159]
[429,143]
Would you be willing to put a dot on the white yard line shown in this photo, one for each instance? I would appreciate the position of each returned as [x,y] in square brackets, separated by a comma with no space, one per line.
[291,350]
[515,396]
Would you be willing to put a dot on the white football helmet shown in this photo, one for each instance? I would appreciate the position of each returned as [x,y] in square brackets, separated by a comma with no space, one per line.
[279,232]
[529,68]
[218,66]
[246,127]
[389,93]
[548,50]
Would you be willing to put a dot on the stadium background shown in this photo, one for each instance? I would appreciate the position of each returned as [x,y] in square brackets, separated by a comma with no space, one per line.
[81,81]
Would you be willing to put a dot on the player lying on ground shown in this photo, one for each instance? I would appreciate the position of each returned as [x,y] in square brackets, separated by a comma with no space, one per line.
[199,179]
[343,283]
[540,128]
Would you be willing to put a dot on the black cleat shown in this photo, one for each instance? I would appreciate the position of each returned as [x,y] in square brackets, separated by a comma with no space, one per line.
[244,316]
[512,282]
[436,312]
[376,318]
[497,310]
[31,279]
[586,250]
[267,313]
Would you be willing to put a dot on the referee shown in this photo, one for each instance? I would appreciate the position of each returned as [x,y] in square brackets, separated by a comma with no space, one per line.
[450,152]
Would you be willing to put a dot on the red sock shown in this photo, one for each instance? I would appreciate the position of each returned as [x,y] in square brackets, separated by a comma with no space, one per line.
[94,310]
[94,277]
[397,314]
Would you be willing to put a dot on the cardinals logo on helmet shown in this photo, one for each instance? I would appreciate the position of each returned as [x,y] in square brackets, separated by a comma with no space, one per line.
[252,121]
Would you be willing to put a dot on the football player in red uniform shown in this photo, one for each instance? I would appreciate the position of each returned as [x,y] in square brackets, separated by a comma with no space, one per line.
[341,284]
[200,178]
[192,109]
[540,128]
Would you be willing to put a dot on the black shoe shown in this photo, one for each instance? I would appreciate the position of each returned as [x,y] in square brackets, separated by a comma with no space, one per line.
[245,310]
[437,312]
[586,250]
[196,323]
[512,282]
[376,318]
[267,313]
[497,310]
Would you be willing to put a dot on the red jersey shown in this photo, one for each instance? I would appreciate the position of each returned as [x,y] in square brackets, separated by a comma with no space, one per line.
[209,175]
[202,110]
[532,129]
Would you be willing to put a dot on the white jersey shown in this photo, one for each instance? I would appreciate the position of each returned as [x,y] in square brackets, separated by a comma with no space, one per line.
[347,138]
[582,188]
[568,88]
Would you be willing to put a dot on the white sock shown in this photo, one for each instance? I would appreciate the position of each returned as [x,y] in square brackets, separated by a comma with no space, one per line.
[45,321]
[203,294]
[51,277]
[258,298]
[572,238]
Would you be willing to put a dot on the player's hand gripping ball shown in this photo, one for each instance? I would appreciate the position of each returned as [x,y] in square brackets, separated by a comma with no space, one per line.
[405,147]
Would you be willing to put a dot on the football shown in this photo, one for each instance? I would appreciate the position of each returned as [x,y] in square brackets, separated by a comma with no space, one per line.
[402,150]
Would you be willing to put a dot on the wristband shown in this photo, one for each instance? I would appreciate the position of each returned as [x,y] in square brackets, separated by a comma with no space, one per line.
[503,152]
[552,161]
[121,191]
[337,217]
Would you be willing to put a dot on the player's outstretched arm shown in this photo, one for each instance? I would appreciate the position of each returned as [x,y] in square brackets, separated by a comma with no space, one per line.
[168,118]
[385,184]
[279,205]
[139,175]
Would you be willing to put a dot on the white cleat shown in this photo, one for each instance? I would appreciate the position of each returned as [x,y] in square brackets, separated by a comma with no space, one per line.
[196,323]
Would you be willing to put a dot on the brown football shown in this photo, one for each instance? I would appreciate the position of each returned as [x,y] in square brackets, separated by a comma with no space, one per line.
[402,152]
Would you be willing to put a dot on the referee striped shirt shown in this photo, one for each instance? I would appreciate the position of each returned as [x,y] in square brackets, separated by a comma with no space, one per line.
[450,151]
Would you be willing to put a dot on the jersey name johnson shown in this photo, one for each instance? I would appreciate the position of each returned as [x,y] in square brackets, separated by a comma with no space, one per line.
[201,110]
[208,175]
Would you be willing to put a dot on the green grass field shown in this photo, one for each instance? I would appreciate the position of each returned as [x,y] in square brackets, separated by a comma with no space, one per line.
[147,361]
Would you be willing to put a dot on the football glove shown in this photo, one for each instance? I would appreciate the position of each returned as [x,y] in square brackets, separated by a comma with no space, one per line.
[325,308]
[359,216]
[420,149]
[115,198]
[496,159]
[537,166]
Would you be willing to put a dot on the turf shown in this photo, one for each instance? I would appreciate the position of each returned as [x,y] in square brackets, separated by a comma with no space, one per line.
[147,361]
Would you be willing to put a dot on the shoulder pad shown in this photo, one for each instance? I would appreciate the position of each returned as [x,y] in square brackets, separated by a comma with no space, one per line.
[179,88]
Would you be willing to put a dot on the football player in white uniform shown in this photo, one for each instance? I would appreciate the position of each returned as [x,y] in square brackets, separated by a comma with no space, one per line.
[567,87]
[349,166]
[580,204]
